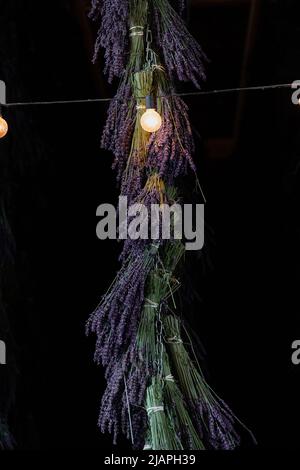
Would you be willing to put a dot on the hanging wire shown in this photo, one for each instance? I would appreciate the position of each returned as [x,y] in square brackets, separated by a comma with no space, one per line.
[192,93]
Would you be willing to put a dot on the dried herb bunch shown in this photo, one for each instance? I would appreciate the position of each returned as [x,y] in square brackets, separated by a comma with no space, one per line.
[183,57]
[112,35]
[156,394]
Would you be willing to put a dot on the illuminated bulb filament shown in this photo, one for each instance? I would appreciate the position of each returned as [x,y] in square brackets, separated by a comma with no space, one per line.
[151,120]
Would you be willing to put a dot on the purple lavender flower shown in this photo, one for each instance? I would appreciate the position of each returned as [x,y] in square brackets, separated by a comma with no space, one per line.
[152,193]
[170,148]
[115,320]
[118,129]
[184,58]
[112,34]
[216,424]
[133,179]
[124,395]
[95,9]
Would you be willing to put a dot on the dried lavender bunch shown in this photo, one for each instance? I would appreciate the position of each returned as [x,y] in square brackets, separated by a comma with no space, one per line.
[138,19]
[95,9]
[161,284]
[129,374]
[140,363]
[133,401]
[128,377]
[183,56]
[167,151]
[112,35]
[132,174]
[118,129]
[214,420]
[123,397]
[111,403]
[121,116]
[220,423]
[162,432]
[170,149]
[115,320]
[154,192]
[178,410]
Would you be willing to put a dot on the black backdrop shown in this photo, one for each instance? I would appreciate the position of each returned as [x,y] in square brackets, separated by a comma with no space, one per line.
[53,176]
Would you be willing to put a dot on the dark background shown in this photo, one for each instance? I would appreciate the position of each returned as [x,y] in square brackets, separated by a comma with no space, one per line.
[53,175]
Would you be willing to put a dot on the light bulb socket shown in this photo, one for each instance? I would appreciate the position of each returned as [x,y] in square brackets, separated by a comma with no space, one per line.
[150,102]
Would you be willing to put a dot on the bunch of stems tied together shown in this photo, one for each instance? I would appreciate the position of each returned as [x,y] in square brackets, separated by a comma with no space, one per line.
[156,394]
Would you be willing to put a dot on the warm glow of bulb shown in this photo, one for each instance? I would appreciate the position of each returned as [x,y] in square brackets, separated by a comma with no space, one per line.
[151,120]
[3,127]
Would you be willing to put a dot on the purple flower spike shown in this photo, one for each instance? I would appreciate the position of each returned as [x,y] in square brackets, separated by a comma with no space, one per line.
[112,35]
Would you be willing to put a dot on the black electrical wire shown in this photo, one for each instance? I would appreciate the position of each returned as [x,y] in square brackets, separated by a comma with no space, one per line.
[194,93]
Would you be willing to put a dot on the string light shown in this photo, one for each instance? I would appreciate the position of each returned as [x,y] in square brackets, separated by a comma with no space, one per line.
[3,127]
[151,119]
[150,115]
[107,100]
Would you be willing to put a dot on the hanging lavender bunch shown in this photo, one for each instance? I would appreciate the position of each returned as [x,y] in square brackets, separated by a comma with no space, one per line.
[215,422]
[183,56]
[170,149]
[132,173]
[163,434]
[122,410]
[133,402]
[115,320]
[121,116]
[154,192]
[177,408]
[219,432]
[119,126]
[112,34]
[129,377]
[131,373]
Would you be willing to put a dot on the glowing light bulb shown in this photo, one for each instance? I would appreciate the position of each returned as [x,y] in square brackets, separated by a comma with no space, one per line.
[151,120]
[3,127]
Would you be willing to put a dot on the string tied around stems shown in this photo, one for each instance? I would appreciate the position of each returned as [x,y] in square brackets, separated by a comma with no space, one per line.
[155,409]
[174,340]
[169,378]
[136,31]
[150,303]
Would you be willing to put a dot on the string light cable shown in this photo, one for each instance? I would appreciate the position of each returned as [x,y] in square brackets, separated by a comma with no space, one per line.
[192,93]
[151,120]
